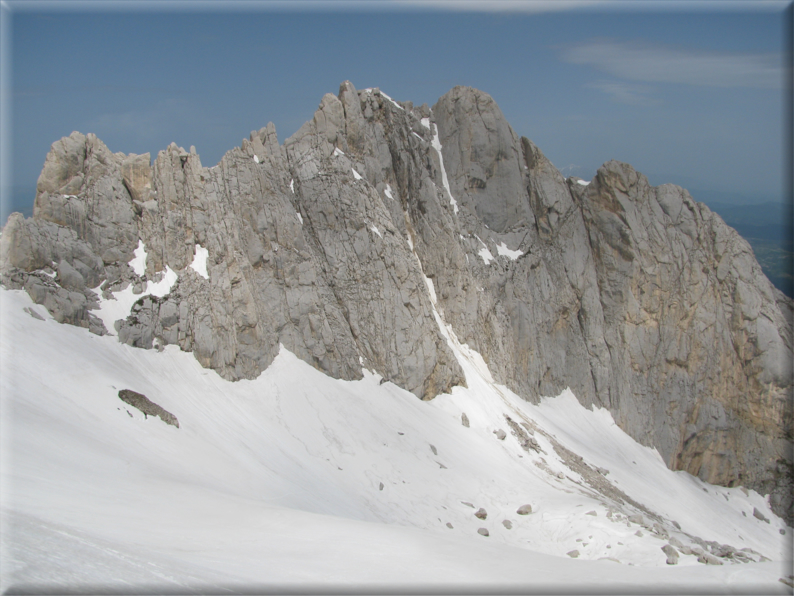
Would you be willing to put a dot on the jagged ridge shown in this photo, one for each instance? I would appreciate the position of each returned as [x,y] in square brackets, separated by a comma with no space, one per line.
[638,298]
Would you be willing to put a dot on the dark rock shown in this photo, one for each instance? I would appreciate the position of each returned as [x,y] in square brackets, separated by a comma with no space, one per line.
[149,408]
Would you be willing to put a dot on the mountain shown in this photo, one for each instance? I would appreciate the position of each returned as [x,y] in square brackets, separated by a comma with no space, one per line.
[343,244]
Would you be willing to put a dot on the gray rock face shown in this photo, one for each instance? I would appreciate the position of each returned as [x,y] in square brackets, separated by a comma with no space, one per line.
[637,298]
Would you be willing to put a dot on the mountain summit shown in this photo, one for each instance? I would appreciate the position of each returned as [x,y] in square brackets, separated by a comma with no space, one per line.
[346,243]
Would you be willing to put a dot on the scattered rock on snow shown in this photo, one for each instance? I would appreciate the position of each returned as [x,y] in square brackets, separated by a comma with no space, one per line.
[500,434]
[481,513]
[524,510]
[573,553]
[672,554]
[433,449]
[449,525]
[464,420]
[380,487]
[483,532]
[593,513]
[708,559]
[637,519]
[467,504]
[507,524]
[758,515]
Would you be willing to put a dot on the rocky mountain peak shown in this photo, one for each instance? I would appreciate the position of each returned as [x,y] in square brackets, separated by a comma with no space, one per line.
[376,220]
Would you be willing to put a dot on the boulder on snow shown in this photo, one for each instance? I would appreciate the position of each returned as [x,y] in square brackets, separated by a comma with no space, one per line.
[593,513]
[758,515]
[672,554]
[524,510]
[507,524]
[481,513]
[500,434]
[464,420]
[149,408]
[483,532]
[573,553]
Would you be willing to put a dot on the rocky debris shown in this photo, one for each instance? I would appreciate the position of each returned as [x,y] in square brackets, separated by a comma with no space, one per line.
[789,581]
[380,486]
[602,471]
[467,504]
[507,524]
[500,434]
[593,513]
[758,515]
[659,530]
[149,408]
[481,513]
[573,553]
[433,449]
[483,532]
[677,525]
[676,542]
[708,559]
[637,519]
[672,554]
[449,525]
[524,510]
[464,420]
[639,533]
[524,437]
[636,297]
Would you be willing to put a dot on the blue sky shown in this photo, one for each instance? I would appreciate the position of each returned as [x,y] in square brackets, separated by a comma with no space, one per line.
[688,95]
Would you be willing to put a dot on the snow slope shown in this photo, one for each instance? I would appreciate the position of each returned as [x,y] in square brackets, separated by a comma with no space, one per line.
[298,481]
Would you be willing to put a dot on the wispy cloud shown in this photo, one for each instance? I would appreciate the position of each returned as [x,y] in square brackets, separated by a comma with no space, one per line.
[637,61]
[627,93]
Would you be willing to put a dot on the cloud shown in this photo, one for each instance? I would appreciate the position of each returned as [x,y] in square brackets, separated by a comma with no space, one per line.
[638,61]
[627,93]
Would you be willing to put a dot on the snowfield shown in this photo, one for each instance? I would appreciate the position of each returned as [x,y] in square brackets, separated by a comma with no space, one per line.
[296,481]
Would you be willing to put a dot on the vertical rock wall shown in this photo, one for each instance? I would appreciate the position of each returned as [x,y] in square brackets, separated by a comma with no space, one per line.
[638,298]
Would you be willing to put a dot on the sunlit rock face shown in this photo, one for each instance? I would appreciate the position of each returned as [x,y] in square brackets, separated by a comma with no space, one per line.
[636,297]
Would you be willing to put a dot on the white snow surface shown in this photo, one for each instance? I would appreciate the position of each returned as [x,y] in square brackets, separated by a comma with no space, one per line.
[444,180]
[338,151]
[356,175]
[503,251]
[583,182]
[300,217]
[292,185]
[484,253]
[138,263]
[256,159]
[425,122]
[199,264]
[387,191]
[375,229]
[275,482]
[391,100]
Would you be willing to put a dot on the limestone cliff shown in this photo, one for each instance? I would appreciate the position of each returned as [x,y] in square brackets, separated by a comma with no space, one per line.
[638,298]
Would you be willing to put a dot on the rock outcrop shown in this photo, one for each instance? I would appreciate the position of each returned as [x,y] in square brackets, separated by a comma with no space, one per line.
[341,243]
